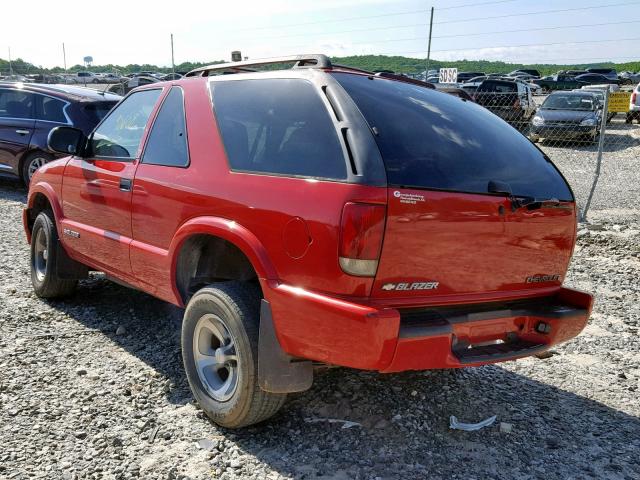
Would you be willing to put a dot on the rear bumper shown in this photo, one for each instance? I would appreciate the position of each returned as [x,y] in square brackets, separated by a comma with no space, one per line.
[342,333]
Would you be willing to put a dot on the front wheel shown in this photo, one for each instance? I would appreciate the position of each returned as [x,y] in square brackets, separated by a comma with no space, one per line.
[220,353]
[44,248]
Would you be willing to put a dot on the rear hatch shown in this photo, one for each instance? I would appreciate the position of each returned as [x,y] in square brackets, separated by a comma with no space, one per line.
[453,234]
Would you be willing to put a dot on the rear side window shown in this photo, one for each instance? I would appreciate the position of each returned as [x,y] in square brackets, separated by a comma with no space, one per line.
[120,134]
[96,111]
[50,109]
[277,126]
[167,143]
[16,104]
[429,139]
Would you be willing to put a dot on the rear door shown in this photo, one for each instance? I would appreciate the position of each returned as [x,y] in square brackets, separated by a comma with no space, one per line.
[16,127]
[447,236]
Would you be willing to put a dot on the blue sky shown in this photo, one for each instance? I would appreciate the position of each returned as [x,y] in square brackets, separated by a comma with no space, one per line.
[208,30]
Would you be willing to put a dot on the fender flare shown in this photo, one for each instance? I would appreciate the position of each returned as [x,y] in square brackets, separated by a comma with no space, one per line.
[230,231]
[51,196]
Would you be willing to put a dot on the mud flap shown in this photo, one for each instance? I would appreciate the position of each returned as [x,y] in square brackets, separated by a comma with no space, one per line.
[67,268]
[277,371]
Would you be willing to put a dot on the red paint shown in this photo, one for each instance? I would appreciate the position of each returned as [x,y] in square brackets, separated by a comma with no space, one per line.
[289,229]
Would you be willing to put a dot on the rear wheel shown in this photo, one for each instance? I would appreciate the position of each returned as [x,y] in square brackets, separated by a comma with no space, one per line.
[44,245]
[220,354]
[33,162]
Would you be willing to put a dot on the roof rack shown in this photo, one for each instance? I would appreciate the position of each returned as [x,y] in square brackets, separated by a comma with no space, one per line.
[301,61]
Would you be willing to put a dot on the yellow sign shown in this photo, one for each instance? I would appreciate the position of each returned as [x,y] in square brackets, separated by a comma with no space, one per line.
[619,101]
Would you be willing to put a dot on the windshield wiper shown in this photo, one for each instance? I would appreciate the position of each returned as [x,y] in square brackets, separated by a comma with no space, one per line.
[520,201]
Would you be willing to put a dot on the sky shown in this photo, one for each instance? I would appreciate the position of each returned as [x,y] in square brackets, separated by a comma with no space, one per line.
[571,31]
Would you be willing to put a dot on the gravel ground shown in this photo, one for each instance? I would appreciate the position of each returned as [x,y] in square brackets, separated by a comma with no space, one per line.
[93,387]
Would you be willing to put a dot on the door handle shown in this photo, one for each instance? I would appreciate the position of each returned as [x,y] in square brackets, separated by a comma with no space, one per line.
[125,184]
[22,132]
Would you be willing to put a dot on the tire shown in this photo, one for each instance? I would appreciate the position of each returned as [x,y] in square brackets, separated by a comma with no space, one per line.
[44,249]
[222,321]
[31,163]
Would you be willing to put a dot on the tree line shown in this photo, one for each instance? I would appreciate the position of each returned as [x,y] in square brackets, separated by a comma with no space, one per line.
[398,64]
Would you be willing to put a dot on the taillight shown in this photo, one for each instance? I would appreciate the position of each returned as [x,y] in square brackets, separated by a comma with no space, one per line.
[633,97]
[361,233]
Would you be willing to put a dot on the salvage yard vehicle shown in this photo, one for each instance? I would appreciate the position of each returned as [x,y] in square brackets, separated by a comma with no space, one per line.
[29,112]
[558,82]
[314,215]
[573,115]
[634,106]
[511,100]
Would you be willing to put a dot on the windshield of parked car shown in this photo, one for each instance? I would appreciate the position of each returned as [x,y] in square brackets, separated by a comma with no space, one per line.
[433,140]
[560,101]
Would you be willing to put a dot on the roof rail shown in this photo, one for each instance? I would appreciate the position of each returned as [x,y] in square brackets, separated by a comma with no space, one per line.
[301,61]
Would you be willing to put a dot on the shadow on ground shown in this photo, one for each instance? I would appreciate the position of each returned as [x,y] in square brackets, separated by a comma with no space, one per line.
[404,418]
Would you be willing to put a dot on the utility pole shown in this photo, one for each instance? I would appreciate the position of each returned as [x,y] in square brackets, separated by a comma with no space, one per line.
[64,57]
[426,73]
[173,64]
[10,67]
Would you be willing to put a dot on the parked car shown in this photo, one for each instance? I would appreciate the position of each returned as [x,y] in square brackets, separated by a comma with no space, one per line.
[634,105]
[319,214]
[456,92]
[86,77]
[596,79]
[573,73]
[171,76]
[610,73]
[568,116]
[464,76]
[558,82]
[128,84]
[17,78]
[629,78]
[29,112]
[528,71]
[509,99]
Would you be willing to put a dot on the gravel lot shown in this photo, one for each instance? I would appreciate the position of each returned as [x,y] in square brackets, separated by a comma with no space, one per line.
[93,387]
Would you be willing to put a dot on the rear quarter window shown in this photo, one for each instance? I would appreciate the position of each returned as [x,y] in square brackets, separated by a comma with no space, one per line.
[432,140]
[278,126]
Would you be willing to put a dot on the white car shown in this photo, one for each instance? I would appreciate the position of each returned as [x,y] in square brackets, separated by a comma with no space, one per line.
[634,105]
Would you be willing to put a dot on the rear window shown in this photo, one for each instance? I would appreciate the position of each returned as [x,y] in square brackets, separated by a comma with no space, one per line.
[498,87]
[433,140]
[277,126]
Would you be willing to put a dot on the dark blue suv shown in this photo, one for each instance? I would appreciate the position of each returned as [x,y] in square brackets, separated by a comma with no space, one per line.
[28,112]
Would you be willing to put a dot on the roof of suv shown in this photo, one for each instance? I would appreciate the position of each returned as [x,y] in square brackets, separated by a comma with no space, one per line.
[68,92]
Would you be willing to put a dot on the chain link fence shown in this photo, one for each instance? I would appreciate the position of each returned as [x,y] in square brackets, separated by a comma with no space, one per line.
[592,134]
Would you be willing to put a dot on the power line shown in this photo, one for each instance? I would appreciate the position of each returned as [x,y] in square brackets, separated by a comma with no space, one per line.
[345,19]
[479,4]
[539,44]
[488,46]
[367,17]
[559,27]
[474,19]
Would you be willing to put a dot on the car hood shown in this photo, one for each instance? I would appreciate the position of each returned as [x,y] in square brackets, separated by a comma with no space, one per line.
[565,115]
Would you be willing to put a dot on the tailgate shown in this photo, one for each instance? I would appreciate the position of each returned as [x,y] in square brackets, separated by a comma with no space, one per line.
[444,244]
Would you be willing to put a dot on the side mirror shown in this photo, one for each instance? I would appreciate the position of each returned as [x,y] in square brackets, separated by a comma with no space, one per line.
[67,140]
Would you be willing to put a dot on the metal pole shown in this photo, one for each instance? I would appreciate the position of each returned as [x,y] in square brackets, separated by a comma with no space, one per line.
[64,57]
[173,65]
[603,128]
[426,73]
[10,67]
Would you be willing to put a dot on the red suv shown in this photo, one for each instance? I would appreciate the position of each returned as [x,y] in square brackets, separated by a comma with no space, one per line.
[317,214]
